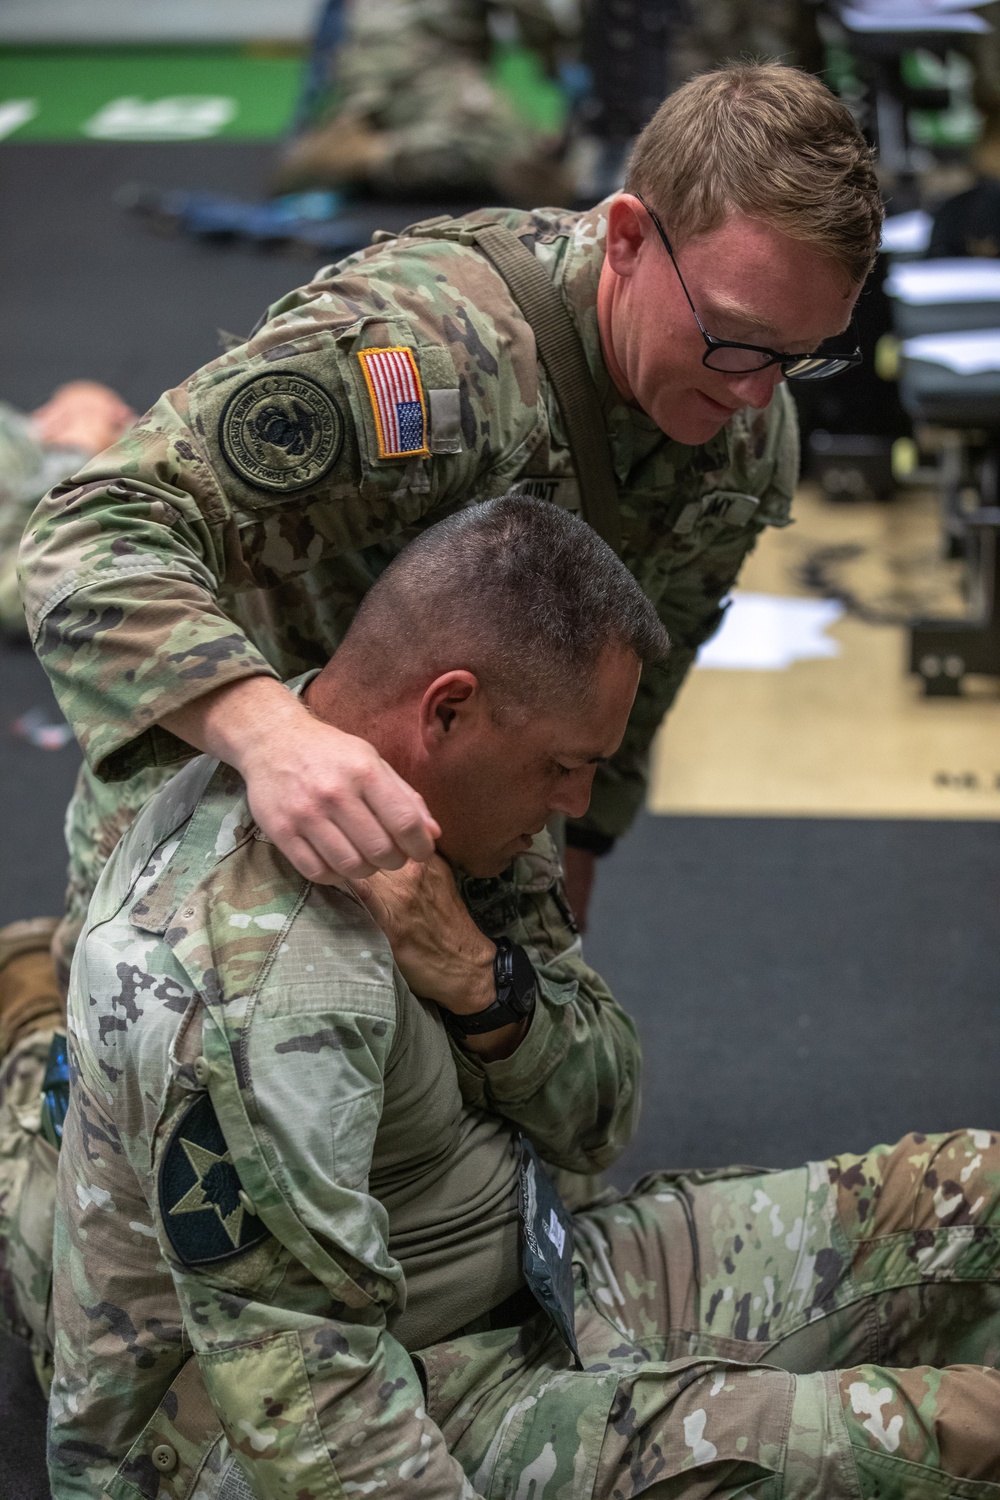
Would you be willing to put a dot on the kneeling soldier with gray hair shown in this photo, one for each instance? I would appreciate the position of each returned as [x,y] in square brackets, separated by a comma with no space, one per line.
[305,1245]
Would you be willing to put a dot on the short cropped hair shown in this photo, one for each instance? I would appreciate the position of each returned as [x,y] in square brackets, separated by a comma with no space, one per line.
[516,590]
[767,141]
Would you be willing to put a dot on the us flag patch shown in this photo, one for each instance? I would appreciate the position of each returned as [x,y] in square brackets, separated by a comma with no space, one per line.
[397,397]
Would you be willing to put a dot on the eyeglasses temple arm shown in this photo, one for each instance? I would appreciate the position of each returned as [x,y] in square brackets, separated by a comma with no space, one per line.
[673,260]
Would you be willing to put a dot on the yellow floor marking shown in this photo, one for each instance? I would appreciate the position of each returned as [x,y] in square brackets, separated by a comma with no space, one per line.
[851,736]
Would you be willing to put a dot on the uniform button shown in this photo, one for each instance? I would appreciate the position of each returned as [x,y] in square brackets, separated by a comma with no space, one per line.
[164,1458]
[202,1071]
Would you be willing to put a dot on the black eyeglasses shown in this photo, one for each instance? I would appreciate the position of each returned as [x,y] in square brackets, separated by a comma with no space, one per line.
[742,359]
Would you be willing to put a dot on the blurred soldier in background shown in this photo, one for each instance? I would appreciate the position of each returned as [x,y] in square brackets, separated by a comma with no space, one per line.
[413,107]
[38,450]
[416,109]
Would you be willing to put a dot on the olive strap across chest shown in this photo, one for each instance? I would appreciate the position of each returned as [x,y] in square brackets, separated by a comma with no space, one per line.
[561,352]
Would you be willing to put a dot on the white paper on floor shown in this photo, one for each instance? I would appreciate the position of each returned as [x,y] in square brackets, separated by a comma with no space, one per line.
[765,633]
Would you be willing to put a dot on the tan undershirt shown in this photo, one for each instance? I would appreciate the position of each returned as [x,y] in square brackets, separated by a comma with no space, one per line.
[447,1176]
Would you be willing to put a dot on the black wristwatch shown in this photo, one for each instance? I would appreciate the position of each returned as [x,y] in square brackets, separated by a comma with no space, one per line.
[516,986]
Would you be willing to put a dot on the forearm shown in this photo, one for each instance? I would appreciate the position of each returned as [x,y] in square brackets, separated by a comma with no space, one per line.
[572,1084]
[120,666]
[229,719]
[472,988]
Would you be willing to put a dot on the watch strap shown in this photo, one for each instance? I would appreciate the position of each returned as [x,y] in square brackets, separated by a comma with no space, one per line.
[516,987]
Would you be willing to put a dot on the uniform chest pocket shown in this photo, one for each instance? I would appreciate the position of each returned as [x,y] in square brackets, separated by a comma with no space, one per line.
[718,508]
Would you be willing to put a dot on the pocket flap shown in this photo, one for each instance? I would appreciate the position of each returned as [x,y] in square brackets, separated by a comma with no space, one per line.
[180,1438]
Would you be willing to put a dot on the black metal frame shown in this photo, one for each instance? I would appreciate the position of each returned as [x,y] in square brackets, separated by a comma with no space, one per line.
[943,651]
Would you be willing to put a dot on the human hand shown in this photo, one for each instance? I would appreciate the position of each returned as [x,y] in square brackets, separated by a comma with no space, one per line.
[333,805]
[438,948]
[82,414]
[328,800]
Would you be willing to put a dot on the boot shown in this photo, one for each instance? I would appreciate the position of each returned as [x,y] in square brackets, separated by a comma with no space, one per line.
[29,995]
[344,152]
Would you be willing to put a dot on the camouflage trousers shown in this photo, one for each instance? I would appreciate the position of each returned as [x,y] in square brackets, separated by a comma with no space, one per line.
[27,1202]
[832,1331]
[15,512]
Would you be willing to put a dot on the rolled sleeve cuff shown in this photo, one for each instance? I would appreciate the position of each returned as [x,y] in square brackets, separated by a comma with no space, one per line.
[512,1080]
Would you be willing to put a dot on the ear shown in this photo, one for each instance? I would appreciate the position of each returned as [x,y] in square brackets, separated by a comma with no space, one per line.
[450,702]
[628,226]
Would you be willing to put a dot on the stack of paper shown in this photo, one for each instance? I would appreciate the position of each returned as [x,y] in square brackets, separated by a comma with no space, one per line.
[766,633]
[974,353]
[912,15]
[921,283]
[907,233]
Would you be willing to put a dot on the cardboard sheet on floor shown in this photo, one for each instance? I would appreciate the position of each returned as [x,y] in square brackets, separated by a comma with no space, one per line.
[768,724]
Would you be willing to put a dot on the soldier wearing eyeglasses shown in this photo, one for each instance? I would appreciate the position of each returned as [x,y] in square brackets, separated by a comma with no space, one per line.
[223,545]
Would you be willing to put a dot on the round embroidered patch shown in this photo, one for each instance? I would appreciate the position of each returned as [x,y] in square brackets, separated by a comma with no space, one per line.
[205,1214]
[281,432]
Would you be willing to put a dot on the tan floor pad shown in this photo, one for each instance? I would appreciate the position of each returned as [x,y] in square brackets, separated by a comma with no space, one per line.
[850,736]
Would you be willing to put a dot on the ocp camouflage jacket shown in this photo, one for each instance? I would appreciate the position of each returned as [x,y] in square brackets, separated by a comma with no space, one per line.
[236,528]
[224,1280]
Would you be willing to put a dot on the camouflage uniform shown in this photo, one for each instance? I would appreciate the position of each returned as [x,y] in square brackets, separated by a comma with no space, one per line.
[419,73]
[313,1358]
[196,551]
[27,1198]
[27,469]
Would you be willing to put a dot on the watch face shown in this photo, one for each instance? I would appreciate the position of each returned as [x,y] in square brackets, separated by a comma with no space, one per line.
[522,980]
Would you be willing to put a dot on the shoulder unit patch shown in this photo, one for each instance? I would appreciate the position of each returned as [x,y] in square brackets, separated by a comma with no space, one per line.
[397,398]
[281,431]
[205,1214]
